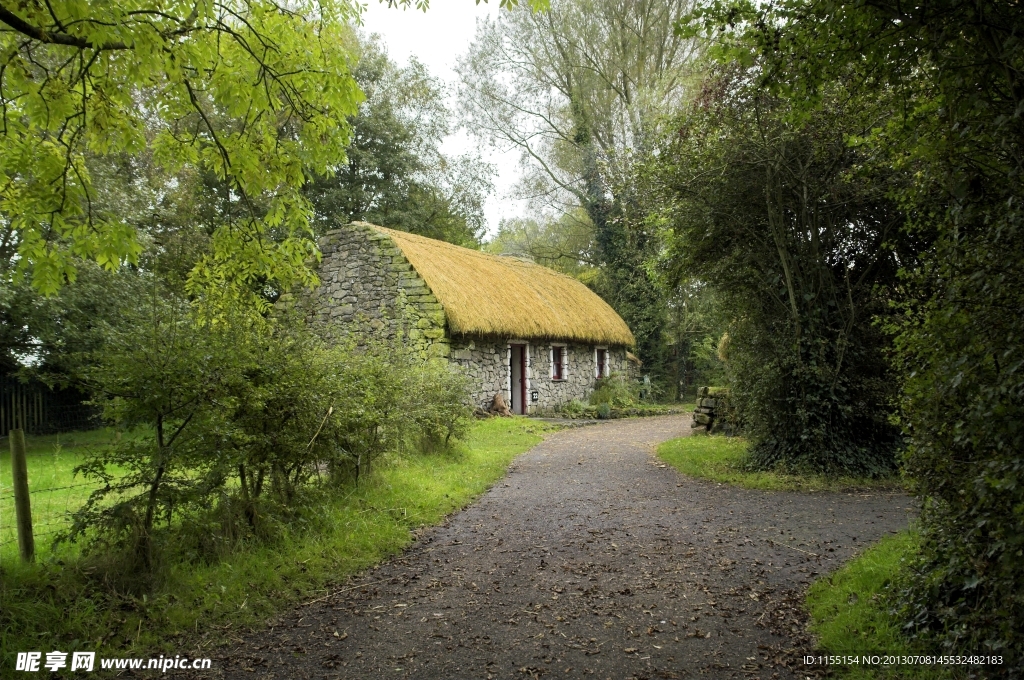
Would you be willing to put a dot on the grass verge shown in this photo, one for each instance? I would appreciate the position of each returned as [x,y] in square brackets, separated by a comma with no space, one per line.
[850,613]
[722,459]
[66,603]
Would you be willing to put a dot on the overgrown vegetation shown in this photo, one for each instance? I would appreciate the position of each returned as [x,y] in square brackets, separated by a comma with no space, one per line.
[329,534]
[952,71]
[785,222]
[240,418]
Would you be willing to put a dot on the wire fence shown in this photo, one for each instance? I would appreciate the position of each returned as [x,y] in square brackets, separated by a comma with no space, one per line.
[55,492]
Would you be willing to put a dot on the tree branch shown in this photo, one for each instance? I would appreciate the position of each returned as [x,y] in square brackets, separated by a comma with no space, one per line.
[36,33]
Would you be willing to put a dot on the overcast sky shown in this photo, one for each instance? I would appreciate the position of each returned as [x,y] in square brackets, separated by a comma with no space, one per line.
[438,37]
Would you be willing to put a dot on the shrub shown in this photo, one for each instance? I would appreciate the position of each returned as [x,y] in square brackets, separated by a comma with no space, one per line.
[239,419]
[615,390]
[440,410]
[162,370]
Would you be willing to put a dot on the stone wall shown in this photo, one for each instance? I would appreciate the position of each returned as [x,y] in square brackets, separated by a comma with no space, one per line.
[714,412]
[485,361]
[368,287]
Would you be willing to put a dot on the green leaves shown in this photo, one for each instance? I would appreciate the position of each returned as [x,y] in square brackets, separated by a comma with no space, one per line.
[772,213]
[952,69]
[253,92]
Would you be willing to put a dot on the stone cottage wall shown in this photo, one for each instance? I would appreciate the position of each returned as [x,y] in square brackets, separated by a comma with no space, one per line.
[485,362]
[367,286]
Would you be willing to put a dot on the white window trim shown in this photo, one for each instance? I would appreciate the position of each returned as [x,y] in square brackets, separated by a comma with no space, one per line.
[565,361]
[607,361]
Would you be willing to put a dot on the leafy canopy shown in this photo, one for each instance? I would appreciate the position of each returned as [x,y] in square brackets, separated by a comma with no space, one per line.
[81,79]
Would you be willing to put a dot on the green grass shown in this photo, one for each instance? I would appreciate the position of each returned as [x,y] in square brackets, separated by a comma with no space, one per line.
[722,459]
[850,612]
[64,605]
[50,460]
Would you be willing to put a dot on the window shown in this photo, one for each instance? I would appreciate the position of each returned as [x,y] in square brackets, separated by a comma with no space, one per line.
[600,363]
[557,362]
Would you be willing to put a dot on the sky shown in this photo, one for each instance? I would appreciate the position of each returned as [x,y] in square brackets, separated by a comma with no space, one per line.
[438,37]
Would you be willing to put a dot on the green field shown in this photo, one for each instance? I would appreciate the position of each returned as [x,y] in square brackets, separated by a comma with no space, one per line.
[51,460]
[64,601]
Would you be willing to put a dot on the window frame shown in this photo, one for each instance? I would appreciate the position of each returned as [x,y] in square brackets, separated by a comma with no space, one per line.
[601,369]
[563,365]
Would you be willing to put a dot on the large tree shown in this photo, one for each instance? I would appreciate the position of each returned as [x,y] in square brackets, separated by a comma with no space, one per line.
[801,245]
[579,91]
[957,70]
[395,173]
[254,92]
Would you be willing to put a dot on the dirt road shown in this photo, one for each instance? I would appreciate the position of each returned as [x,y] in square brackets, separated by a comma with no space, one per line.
[591,559]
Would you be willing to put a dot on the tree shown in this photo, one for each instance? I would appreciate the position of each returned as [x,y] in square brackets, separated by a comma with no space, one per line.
[565,244]
[579,90]
[158,369]
[956,68]
[801,245]
[80,78]
[395,173]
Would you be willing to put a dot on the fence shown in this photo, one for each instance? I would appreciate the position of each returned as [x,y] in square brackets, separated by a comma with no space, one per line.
[37,409]
[54,492]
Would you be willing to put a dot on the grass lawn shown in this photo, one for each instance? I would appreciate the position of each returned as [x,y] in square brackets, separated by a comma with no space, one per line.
[721,459]
[59,603]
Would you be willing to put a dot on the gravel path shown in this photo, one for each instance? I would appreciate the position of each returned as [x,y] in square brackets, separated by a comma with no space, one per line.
[591,559]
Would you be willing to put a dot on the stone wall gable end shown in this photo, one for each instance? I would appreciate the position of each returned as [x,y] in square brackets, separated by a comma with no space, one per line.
[367,286]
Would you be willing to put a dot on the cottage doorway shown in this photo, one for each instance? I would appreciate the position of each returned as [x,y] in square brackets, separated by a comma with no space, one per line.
[517,369]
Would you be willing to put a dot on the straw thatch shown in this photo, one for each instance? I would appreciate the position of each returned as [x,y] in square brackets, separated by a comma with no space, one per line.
[485,294]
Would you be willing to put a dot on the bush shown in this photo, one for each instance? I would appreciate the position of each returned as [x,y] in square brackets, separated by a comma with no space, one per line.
[964,409]
[240,419]
[615,390]
[441,409]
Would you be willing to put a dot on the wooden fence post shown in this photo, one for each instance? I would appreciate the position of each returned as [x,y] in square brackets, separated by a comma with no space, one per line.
[22,507]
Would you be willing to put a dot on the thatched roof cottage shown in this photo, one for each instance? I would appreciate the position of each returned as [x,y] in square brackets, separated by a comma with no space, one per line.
[516,328]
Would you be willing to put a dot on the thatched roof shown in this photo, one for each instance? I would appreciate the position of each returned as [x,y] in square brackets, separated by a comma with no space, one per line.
[484,294]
